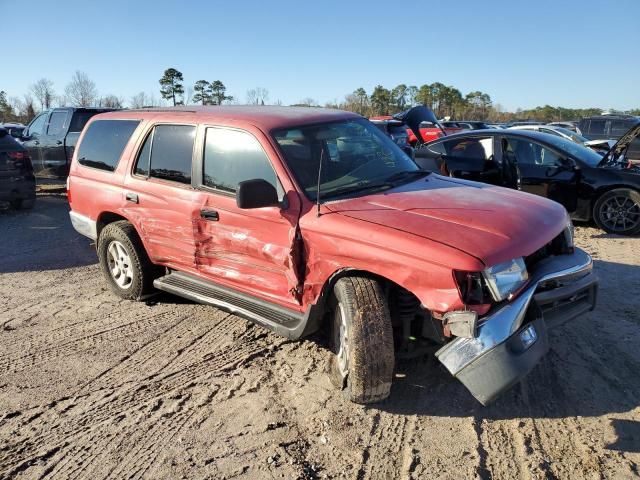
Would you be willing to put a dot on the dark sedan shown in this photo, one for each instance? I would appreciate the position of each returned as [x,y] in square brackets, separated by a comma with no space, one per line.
[17,182]
[590,186]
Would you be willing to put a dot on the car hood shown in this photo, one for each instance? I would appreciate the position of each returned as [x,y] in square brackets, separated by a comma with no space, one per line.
[621,145]
[492,224]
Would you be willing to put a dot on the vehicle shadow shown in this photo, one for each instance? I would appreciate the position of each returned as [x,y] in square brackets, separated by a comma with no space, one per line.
[42,238]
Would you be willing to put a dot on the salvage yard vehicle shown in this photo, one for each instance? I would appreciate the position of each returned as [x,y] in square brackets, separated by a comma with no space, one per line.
[17,182]
[302,219]
[51,138]
[601,146]
[611,127]
[605,189]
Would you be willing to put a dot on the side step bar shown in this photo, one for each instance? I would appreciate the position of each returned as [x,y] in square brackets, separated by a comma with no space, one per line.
[283,321]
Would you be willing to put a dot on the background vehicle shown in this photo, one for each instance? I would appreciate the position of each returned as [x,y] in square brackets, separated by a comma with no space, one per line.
[303,218]
[606,127]
[572,125]
[17,183]
[590,186]
[14,129]
[601,146]
[397,131]
[51,138]
[466,124]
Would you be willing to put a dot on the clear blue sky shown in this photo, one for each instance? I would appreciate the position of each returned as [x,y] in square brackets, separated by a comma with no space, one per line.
[576,53]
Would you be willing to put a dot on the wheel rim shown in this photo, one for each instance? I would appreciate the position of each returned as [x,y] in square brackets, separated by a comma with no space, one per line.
[119,265]
[620,213]
[341,339]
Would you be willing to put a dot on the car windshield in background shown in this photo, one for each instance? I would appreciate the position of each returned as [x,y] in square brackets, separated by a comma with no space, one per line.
[585,154]
[572,135]
[357,158]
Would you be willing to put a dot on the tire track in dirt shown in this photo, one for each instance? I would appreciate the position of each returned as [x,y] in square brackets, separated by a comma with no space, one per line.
[76,423]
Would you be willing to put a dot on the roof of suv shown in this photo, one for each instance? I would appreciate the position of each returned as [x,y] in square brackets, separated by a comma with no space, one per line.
[264,117]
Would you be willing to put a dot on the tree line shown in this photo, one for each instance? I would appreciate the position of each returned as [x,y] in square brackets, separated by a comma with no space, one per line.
[444,100]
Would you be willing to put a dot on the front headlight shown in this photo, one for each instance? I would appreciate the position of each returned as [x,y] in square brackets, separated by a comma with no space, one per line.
[506,278]
[568,235]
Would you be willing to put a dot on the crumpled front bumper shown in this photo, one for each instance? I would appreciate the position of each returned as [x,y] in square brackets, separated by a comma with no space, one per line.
[560,289]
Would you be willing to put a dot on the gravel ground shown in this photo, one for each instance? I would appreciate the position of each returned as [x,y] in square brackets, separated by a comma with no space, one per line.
[95,387]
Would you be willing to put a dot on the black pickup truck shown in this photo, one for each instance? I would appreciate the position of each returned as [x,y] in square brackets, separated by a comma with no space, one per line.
[51,137]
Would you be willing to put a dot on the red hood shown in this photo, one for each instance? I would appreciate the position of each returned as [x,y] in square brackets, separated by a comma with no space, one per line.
[493,224]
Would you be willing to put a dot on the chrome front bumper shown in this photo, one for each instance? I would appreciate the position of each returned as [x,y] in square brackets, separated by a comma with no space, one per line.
[560,289]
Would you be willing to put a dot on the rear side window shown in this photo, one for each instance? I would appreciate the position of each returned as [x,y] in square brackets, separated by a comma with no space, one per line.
[596,127]
[167,153]
[232,156]
[103,143]
[620,127]
[56,123]
[79,120]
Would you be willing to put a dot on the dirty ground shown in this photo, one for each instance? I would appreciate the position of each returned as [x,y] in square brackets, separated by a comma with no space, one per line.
[95,387]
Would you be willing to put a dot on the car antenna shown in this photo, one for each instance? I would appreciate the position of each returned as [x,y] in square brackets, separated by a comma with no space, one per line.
[318,186]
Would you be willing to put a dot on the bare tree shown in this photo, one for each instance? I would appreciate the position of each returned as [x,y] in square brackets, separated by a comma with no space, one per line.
[308,102]
[43,91]
[139,100]
[111,101]
[81,91]
[257,96]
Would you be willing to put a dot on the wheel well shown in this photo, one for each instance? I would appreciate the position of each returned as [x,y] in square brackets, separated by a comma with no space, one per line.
[105,219]
[401,301]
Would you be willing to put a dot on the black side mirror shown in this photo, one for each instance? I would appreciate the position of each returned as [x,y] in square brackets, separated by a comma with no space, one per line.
[257,193]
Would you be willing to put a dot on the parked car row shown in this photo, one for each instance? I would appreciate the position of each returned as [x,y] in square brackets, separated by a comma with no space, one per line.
[302,219]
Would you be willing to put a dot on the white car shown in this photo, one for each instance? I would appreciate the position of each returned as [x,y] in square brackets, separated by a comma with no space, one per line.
[601,146]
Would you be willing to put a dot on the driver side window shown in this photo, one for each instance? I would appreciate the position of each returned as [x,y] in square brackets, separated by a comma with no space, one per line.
[37,126]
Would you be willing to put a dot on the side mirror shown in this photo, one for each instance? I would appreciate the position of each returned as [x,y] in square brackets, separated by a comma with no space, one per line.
[257,193]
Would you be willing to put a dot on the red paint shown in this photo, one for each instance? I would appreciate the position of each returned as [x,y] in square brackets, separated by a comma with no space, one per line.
[414,235]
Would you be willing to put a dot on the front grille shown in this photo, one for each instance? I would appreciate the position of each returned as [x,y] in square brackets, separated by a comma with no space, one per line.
[557,246]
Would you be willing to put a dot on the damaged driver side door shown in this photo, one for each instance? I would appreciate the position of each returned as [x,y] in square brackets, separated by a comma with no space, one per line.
[255,250]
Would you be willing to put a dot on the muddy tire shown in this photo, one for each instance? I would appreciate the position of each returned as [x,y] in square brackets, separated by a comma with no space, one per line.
[124,261]
[618,211]
[362,340]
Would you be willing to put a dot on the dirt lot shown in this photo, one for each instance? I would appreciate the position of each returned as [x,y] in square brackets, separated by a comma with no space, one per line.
[94,387]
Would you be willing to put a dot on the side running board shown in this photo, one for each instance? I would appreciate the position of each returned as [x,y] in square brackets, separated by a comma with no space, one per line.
[283,321]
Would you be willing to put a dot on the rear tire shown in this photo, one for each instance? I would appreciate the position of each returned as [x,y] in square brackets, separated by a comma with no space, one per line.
[362,340]
[618,211]
[124,261]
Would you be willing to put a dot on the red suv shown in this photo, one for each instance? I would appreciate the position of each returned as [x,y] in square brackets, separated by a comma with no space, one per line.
[302,219]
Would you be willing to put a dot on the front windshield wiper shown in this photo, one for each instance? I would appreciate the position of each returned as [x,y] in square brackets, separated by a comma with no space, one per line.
[357,189]
[406,175]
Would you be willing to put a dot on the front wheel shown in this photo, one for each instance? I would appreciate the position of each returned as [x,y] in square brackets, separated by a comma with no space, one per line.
[362,340]
[618,211]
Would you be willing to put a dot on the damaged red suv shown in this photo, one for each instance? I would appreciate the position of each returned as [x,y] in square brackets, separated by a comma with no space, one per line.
[302,219]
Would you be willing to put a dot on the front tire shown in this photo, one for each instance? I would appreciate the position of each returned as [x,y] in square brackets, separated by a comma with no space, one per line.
[618,211]
[362,340]
[124,261]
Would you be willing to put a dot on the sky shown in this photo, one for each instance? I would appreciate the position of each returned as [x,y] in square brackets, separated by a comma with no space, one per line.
[571,53]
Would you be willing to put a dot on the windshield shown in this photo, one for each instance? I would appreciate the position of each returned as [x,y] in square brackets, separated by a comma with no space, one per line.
[356,158]
[579,151]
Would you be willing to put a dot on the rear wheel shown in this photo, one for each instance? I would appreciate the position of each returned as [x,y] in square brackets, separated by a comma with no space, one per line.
[124,261]
[618,211]
[362,340]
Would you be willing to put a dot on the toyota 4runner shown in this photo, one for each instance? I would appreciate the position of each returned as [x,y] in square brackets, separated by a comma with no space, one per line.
[302,219]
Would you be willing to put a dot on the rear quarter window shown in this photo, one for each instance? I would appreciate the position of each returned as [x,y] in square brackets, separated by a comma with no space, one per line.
[104,142]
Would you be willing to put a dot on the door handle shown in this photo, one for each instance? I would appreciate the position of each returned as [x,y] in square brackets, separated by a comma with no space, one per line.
[209,215]
[59,142]
[36,142]
[131,197]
